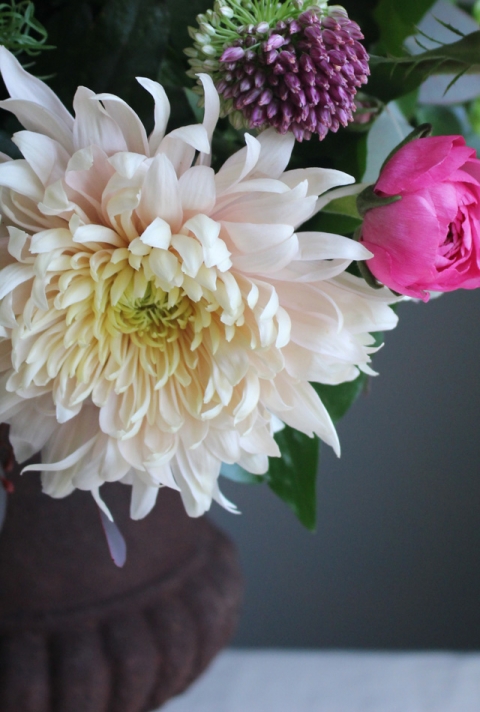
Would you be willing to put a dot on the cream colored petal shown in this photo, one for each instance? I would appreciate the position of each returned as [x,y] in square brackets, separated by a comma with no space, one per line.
[291,208]
[256,464]
[19,176]
[238,166]
[257,185]
[215,252]
[212,112]
[143,498]
[162,112]
[260,440]
[308,414]
[276,150]
[160,195]
[64,464]
[319,179]
[29,431]
[22,85]
[93,126]
[223,501]
[255,237]
[97,233]
[127,163]
[196,472]
[197,191]
[14,275]
[194,135]
[179,153]
[158,234]
[46,156]
[36,118]
[127,120]
[303,272]
[327,246]
[18,242]
[190,250]
[48,240]
[268,261]
[304,364]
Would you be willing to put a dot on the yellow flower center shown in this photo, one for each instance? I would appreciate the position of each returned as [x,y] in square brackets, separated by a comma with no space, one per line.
[154,319]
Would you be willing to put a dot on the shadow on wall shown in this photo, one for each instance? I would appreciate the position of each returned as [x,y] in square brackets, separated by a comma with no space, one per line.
[395,561]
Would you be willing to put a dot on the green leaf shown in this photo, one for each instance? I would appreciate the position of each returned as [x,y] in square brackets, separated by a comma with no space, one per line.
[338,399]
[442,119]
[344,206]
[324,221]
[293,476]
[104,45]
[397,20]
[392,77]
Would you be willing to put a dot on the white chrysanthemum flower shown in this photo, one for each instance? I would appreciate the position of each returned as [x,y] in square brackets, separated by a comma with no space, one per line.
[158,319]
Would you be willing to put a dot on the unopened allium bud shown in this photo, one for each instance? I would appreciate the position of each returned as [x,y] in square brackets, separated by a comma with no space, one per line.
[295,65]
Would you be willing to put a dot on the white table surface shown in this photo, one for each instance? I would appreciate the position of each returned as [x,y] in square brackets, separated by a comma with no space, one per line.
[314,681]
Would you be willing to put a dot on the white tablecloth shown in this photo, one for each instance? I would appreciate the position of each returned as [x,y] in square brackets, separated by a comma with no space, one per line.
[313,681]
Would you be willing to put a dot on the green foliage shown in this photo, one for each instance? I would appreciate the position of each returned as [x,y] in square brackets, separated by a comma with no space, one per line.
[474,115]
[397,21]
[293,476]
[393,77]
[442,119]
[344,206]
[476,10]
[20,31]
[338,399]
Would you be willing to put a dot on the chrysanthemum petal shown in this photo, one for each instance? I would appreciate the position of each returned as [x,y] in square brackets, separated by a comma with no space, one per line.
[162,111]
[160,194]
[22,85]
[197,191]
[212,112]
[93,126]
[36,118]
[127,120]
[47,157]
[276,152]
[19,176]
[143,499]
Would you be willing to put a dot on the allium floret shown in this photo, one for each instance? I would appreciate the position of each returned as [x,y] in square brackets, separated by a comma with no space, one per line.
[295,66]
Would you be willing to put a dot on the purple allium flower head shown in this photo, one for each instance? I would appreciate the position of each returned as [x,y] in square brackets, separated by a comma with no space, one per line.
[298,72]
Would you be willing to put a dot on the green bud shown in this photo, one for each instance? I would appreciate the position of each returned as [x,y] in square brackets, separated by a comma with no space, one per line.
[209,50]
[368,276]
[201,39]
[211,64]
[207,28]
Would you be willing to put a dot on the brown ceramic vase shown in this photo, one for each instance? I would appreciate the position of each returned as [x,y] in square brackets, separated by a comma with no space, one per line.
[77,634]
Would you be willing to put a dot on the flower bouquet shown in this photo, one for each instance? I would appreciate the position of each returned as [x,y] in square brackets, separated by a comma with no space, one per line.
[210,214]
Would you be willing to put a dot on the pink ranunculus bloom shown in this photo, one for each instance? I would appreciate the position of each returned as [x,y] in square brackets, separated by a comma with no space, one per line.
[430,239]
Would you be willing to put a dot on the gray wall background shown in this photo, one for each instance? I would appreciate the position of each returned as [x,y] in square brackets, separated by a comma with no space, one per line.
[395,561]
